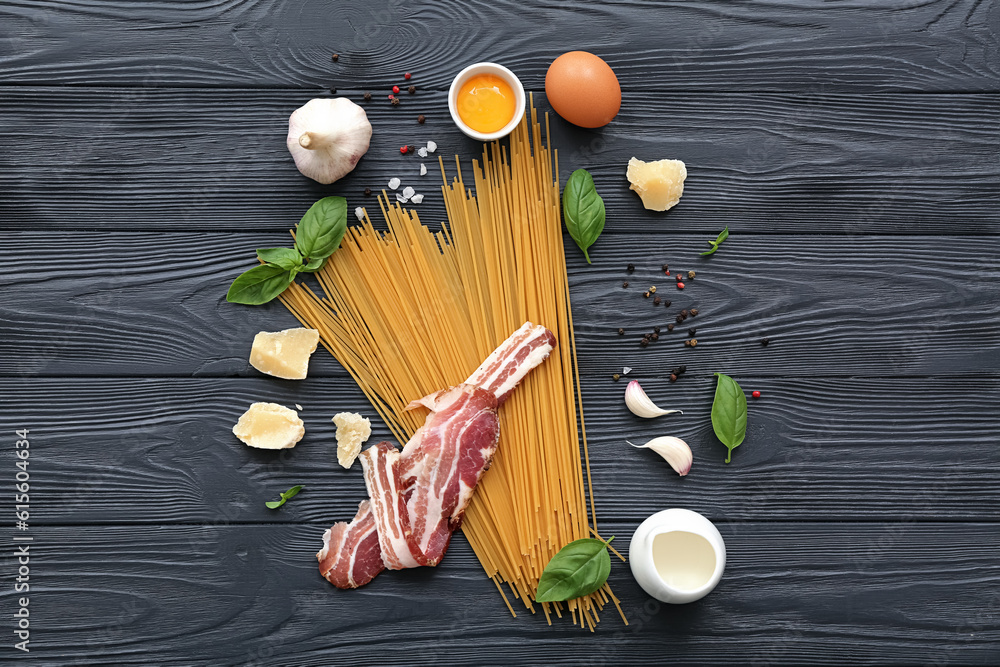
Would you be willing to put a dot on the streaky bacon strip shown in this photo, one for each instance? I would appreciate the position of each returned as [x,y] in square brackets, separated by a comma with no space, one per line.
[380,463]
[418,497]
[351,556]
[523,350]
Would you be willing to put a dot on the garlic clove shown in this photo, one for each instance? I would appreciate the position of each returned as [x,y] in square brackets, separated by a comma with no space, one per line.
[327,138]
[640,404]
[674,450]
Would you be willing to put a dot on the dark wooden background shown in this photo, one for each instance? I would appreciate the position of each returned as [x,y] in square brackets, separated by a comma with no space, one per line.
[853,148]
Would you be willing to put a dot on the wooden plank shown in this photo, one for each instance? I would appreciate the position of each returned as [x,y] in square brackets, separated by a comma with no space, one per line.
[154,304]
[157,451]
[193,159]
[655,48]
[793,594]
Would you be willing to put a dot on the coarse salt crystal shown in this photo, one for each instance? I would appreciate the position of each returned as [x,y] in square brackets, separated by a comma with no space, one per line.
[359,213]
[393,183]
[401,199]
[423,169]
[416,199]
[422,152]
[298,407]
[626,370]
[408,192]
[431,146]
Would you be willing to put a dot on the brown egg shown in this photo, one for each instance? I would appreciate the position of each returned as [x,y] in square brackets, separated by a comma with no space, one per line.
[583,89]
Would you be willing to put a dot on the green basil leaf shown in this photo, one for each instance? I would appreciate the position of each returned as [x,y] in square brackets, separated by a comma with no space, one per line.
[322,227]
[729,413]
[259,285]
[580,567]
[274,504]
[583,210]
[286,258]
[314,265]
[292,492]
[723,235]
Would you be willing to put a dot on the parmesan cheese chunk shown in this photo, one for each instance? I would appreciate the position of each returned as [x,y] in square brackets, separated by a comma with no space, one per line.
[284,354]
[352,431]
[269,426]
[660,184]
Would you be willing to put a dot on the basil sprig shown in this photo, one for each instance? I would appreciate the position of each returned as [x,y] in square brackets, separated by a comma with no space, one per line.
[583,210]
[723,235]
[318,235]
[729,413]
[290,493]
[580,568]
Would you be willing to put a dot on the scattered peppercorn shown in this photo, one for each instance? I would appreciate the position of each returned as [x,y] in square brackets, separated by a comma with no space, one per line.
[693,311]
[756,394]
[335,57]
[646,294]
[666,269]
[667,303]
[670,327]
[616,377]
[404,149]
[765,341]
[679,277]
[691,275]
[684,312]
[368,192]
[407,75]
[652,289]
[421,119]
[683,368]
[655,337]
[395,101]
[680,285]
[644,342]
[656,301]
[624,283]
[630,268]
[395,89]
[391,96]
[333,91]
[679,319]
[368,97]
[694,342]
[692,331]
[673,378]
[411,90]
[621,332]
[656,329]
[687,343]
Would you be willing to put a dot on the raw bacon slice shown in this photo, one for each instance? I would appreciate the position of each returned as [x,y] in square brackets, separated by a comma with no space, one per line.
[442,463]
[419,496]
[380,463]
[351,556]
[516,357]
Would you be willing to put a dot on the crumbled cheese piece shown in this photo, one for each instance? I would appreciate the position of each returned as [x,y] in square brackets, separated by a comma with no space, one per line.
[284,354]
[431,146]
[269,426]
[408,192]
[422,152]
[352,431]
[660,184]
[359,213]
[423,169]
[626,370]
[416,199]
[393,183]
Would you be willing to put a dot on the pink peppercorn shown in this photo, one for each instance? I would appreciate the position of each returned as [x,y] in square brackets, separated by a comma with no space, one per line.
[756,394]
[406,76]
[395,89]
[680,285]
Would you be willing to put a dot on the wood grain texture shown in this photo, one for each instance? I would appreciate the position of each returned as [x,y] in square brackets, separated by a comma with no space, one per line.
[162,450]
[191,159]
[865,46]
[154,304]
[797,594]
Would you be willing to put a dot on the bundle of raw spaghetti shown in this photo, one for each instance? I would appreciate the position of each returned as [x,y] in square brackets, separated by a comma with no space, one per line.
[408,312]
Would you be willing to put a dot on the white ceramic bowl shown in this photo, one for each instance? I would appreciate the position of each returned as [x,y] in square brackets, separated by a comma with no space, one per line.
[496,70]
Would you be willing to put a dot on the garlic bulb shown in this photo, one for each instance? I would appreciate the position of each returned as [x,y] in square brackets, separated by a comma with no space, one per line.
[640,404]
[327,138]
[674,450]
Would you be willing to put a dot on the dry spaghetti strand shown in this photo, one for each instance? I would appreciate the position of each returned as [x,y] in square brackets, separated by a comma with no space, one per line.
[408,312]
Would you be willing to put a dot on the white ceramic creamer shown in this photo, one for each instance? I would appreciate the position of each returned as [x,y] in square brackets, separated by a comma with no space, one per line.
[677,556]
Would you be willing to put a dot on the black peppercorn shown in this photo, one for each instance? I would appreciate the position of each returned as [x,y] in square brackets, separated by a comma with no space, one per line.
[335,57]
[667,303]
[692,331]
[670,327]
[395,101]
[625,283]
[665,268]
[656,329]
[687,343]
[675,371]
[673,378]
[684,313]
[621,332]
[765,341]
[368,97]
[693,311]
[643,343]
[656,301]
[655,337]
[630,268]
[368,192]
[411,90]
[421,119]
[333,91]
[683,368]
[679,319]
